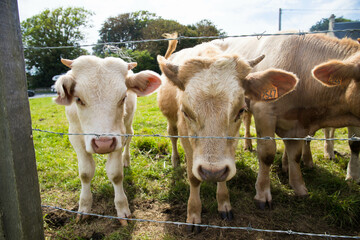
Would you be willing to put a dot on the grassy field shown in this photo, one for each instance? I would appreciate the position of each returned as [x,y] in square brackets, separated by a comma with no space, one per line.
[157,191]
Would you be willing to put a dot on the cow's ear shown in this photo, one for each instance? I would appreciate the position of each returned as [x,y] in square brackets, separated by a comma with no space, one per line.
[67,62]
[132,65]
[171,71]
[143,83]
[65,87]
[335,73]
[269,85]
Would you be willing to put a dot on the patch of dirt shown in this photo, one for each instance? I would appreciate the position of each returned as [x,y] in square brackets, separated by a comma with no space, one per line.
[98,228]
[56,219]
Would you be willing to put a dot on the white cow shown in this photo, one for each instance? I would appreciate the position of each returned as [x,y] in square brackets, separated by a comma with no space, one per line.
[100,98]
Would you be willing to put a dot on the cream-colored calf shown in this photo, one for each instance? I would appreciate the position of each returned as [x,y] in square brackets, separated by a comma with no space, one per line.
[100,98]
[203,94]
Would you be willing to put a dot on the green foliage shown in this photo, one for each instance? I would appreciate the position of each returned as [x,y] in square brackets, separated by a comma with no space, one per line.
[144,60]
[145,25]
[323,24]
[59,27]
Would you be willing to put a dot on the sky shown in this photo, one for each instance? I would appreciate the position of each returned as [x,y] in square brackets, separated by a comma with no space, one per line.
[235,17]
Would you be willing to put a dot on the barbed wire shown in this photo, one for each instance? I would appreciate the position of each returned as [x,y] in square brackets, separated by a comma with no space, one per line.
[248,229]
[258,35]
[98,135]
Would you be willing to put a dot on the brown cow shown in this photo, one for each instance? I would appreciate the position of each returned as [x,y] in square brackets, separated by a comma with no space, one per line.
[311,106]
[203,94]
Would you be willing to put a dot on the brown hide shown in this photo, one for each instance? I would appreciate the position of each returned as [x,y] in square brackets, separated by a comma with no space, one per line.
[300,55]
[328,98]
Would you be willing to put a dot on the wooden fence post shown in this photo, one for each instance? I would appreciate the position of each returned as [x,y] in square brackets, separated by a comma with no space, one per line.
[20,205]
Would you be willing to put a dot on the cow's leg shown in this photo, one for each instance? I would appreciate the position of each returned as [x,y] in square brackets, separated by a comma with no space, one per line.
[266,150]
[296,181]
[353,168]
[128,120]
[114,169]
[86,166]
[329,144]
[173,131]
[306,155]
[266,153]
[126,152]
[223,199]
[86,171]
[285,162]
[194,202]
[247,123]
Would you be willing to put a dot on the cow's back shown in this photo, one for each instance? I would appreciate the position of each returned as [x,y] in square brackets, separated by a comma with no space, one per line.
[297,54]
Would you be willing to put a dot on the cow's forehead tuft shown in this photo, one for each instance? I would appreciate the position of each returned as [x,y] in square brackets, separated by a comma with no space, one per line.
[95,65]
[214,84]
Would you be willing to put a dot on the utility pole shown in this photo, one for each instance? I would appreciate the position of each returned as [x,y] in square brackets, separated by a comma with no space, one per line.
[20,209]
[280,12]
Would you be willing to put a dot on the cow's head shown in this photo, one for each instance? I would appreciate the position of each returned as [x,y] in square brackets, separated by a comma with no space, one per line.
[337,72]
[345,74]
[212,98]
[98,88]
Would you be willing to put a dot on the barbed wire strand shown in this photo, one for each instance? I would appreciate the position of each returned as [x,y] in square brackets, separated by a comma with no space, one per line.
[248,229]
[307,139]
[258,35]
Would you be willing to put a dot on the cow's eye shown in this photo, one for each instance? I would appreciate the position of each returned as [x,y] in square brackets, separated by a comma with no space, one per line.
[79,101]
[185,114]
[238,116]
[122,100]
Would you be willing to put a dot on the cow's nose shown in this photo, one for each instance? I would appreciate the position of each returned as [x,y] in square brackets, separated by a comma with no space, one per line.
[213,174]
[103,144]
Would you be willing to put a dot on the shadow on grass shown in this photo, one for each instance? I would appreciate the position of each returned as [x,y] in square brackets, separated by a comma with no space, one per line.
[338,200]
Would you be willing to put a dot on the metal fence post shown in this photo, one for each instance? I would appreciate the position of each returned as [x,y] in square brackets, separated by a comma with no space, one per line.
[20,205]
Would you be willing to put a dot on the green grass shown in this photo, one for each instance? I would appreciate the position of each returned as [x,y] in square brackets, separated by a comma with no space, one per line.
[157,191]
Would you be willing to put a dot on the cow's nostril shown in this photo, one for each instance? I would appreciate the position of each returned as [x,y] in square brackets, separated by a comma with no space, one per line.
[113,145]
[202,172]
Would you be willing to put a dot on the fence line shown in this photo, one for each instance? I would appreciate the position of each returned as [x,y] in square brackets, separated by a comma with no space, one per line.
[248,229]
[307,139]
[258,35]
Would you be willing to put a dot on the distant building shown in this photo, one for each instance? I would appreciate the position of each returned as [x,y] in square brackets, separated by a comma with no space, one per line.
[344,26]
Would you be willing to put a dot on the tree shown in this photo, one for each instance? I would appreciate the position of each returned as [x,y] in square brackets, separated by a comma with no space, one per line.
[206,28]
[123,28]
[60,27]
[323,24]
[145,25]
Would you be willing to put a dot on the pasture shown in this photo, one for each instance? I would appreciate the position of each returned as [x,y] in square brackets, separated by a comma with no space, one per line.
[157,191]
